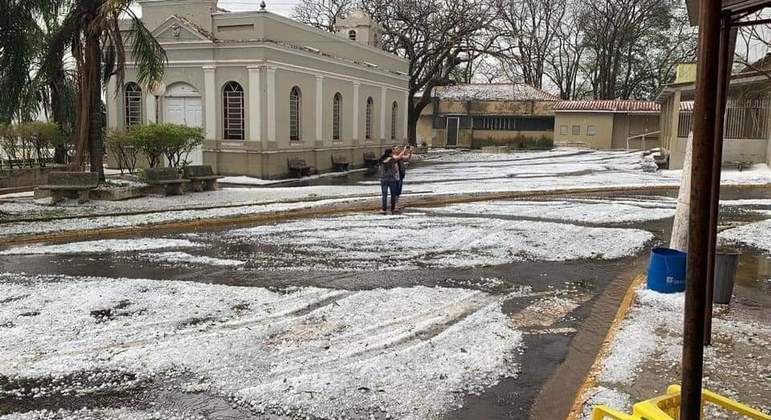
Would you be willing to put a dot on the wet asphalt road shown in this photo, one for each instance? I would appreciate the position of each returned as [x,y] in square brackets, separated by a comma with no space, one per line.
[603,283]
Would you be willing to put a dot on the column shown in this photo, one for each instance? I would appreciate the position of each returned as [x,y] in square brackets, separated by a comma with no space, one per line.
[319,111]
[210,106]
[355,122]
[150,107]
[383,94]
[271,103]
[114,99]
[675,119]
[406,115]
[255,133]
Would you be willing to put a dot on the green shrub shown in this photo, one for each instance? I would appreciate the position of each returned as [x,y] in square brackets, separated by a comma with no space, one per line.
[120,144]
[173,141]
[29,142]
[518,141]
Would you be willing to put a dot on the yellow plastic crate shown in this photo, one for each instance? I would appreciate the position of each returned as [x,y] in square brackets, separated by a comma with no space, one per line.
[667,407]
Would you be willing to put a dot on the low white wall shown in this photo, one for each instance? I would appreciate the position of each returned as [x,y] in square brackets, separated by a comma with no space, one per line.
[734,150]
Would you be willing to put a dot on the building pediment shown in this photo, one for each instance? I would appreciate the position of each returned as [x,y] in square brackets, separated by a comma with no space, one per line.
[178,29]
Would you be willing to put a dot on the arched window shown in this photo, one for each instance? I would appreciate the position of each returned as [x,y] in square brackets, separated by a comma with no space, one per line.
[368,119]
[394,118]
[233,111]
[337,109]
[132,97]
[352,35]
[295,117]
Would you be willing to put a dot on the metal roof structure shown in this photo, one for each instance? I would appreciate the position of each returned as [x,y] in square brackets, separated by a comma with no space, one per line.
[613,105]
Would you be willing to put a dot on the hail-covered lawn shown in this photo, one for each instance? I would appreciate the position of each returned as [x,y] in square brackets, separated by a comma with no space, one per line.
[584,210]
[416,241]
[402,352]
[441,172]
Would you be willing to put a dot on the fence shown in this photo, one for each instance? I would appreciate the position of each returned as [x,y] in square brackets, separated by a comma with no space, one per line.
[744,119]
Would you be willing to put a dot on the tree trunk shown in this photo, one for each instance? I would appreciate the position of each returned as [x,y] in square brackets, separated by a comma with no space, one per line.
[95,134]
[57,86]
[412,126]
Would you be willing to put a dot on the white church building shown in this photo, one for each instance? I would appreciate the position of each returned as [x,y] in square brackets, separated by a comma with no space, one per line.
[267,89]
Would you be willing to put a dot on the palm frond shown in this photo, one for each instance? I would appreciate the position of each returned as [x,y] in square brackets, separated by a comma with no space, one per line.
[149,56]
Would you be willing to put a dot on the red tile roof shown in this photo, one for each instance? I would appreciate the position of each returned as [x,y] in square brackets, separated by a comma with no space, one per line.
[617,105]
[686,106]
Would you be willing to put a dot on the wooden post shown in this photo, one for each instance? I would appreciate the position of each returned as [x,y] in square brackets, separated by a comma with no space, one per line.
[723,75]
[699,215]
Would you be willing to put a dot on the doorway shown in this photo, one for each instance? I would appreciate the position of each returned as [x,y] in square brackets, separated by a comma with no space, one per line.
[452,130]
[182,105]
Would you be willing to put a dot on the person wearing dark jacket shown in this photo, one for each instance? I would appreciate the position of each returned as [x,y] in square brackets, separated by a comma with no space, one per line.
[388,169]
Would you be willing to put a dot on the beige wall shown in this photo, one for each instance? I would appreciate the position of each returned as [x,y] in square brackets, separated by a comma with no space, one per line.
[629,125]
[603,123]
[290,66]
[509,135]
[274,164]
[496,107]
[734,150]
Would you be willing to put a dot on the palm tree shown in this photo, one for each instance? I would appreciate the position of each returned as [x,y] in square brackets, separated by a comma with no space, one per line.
[41,34]
[26,28]
[97,39]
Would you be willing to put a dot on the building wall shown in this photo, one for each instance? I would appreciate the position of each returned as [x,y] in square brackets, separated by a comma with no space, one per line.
[630,125]
[437,137]
[264,68]
[734,150]
[603,123]
[511,134]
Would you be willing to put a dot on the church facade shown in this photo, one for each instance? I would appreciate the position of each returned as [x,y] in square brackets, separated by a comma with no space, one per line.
[267,89]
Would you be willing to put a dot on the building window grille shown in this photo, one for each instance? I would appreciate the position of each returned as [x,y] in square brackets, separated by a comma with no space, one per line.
[576,130]
[394,118]
[132,96]
[591,130]
[337,108]
[352,35]
[368,118]
[295,117]
[564,130]
[233,112]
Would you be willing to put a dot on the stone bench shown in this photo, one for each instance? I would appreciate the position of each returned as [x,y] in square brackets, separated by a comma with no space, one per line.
[165,181]
[340,163]
[201,177]
[298,168]
[61,185]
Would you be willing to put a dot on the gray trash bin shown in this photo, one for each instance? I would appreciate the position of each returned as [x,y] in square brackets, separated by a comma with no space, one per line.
[726,263]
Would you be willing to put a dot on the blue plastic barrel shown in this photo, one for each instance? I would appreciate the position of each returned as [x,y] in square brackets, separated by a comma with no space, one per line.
[666,270]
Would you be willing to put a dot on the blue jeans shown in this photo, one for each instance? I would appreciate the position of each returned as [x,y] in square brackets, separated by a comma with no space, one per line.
[393,186]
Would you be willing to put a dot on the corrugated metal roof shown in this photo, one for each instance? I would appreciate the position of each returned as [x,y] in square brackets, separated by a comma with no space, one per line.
[493,92]
[608,106]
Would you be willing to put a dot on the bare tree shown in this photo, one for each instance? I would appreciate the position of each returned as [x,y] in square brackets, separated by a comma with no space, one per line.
[322,14]
[528,29]
[752,42]
[617,33]
[436,37]
[563,65]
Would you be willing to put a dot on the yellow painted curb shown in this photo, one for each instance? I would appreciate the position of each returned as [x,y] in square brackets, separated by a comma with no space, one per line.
[591,377]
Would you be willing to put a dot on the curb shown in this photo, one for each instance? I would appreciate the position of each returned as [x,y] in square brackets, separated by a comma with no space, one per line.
[358,203]
[594,371]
